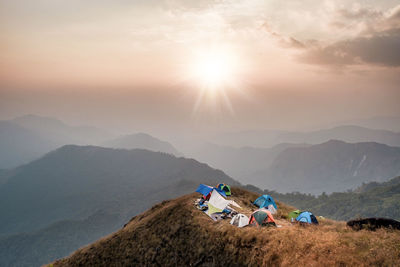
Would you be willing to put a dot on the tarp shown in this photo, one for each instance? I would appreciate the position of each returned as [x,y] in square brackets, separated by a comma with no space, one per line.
[204,189]
[217,200]
[212,209]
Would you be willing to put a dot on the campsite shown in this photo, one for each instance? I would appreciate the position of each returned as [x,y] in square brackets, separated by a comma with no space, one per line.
[219,203]
[163,234]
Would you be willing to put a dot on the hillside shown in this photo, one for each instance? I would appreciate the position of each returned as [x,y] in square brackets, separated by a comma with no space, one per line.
[370,200]
[71,184]
[175,233]
[142,141]
[334,166]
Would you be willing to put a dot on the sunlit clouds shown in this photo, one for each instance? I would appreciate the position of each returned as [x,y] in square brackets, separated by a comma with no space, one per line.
[255,63]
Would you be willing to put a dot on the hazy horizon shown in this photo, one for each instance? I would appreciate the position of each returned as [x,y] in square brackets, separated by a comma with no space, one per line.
[200,67]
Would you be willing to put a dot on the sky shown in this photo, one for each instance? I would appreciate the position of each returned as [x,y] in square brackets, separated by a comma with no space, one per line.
[200,66]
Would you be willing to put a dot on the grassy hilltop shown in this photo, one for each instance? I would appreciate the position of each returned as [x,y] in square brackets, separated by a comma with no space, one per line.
[176,233]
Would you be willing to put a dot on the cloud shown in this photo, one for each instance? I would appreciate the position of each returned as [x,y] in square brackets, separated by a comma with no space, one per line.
[377,44]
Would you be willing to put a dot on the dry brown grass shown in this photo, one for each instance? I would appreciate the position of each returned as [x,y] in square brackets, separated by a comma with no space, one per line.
[174,233]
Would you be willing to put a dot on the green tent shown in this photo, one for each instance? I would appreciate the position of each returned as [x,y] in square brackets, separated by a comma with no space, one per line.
[293,215]
[226,188]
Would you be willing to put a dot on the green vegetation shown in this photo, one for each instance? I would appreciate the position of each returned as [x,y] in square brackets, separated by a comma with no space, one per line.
[370,200]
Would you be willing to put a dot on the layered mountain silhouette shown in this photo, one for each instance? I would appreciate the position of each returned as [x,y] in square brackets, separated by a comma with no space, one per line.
[347,133]
[29,137]
[333,166]
[142,141]
[67,187]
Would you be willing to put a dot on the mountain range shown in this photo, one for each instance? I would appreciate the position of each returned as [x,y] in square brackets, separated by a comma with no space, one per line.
[268,138]
[333,166]
[142,141]
[29,137]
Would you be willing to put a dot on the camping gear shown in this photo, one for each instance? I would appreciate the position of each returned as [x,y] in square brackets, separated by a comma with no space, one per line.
[307,217]
[240,220]
[293,215]
[206,190]
[262,217]
[266,201]
[226,188]
[217,200]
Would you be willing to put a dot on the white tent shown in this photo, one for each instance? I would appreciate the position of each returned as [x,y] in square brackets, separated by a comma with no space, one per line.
[240,220]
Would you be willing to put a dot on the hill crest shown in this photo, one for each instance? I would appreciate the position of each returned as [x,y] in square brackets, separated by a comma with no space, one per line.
[176,233]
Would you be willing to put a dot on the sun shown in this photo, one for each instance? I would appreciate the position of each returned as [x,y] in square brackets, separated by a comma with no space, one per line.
[213,71]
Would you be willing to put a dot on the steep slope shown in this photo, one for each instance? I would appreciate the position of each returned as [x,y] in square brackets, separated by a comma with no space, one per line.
[142,141]
[175,233]
[370,200]
[333,166]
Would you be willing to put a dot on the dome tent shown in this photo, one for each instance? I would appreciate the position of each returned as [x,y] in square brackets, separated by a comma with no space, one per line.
[293,215]
[240,220]
[262,217]
[307,217]
[266,201]
[225,188]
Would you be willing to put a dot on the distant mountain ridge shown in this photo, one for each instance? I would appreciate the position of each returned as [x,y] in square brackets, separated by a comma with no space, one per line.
[142,141]
[333,166]
[347,133]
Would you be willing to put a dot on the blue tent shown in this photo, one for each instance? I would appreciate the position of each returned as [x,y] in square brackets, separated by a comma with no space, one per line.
[205,190]
[307,217]
[265,201]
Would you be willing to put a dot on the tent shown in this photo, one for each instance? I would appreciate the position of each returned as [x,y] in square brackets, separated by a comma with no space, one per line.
[266,201]
[293,215]
[262,217]
[226,188]
[206,190]
[240,220]
[307,217]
